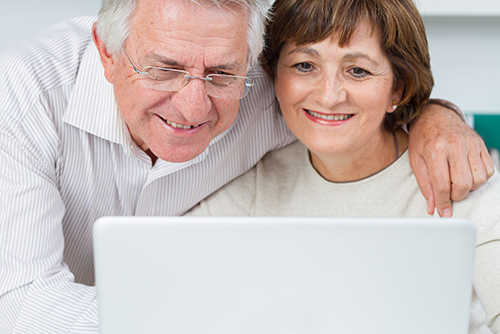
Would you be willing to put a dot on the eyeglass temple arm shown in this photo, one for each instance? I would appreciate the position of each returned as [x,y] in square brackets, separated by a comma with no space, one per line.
[131,63]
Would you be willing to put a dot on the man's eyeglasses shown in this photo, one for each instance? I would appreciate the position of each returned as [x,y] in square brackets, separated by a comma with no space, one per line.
[221,86]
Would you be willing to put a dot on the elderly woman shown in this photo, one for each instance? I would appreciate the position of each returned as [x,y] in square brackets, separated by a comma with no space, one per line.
[347,75]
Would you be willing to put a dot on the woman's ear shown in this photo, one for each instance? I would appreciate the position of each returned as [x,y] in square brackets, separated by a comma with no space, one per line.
[106,57]
[396,95]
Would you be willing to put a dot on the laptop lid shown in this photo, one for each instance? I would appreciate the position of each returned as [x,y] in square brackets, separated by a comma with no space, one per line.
[192,275]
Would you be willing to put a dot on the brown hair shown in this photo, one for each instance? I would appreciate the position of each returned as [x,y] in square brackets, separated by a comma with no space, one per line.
[399,22]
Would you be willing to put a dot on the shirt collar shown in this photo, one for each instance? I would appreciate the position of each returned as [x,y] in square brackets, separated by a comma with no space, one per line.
[92,108]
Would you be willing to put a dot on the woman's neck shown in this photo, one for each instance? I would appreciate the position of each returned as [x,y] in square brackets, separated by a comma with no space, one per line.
[371,159]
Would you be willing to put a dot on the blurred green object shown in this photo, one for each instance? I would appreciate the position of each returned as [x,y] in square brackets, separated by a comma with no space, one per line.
[488,127]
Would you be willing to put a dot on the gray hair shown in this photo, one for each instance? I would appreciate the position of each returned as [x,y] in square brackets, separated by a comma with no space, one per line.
[113,24]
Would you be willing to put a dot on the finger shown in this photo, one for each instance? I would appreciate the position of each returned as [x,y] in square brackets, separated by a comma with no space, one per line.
[478,170]
[439,173]
[431,204]
[424,181]
[488,162]
[460,171]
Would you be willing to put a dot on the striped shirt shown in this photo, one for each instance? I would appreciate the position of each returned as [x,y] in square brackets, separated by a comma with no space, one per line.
[67,159]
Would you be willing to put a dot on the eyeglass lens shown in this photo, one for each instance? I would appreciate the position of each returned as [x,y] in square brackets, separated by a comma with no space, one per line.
[220,86]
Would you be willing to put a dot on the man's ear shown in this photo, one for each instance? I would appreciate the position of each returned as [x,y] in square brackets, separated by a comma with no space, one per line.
[106,57]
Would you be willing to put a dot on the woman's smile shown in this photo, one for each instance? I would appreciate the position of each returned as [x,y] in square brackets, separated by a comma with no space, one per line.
[315,115]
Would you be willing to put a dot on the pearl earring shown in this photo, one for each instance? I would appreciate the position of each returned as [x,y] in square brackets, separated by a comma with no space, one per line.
[394,104]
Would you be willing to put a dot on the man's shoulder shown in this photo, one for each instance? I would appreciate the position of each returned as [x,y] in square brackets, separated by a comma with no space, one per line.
[57,41]
[45,61]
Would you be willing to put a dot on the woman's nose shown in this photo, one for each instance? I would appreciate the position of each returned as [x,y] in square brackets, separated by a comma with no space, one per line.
[330,91]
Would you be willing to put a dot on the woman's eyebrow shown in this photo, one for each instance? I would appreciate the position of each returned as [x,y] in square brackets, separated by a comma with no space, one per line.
[304,49]
[359,55]
[348,56]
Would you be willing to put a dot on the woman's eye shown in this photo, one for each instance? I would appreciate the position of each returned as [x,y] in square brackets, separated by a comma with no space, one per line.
[304,67]
[358,72]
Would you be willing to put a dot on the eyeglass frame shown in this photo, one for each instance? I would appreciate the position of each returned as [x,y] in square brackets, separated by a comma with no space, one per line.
[247,82]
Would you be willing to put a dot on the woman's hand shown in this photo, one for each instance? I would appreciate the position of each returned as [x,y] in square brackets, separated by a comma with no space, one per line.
[448,158]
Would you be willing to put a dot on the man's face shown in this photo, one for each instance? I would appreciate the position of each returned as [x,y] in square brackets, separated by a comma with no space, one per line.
[178,126]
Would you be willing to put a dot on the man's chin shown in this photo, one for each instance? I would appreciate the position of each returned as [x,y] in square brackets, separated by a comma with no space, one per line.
[179,154]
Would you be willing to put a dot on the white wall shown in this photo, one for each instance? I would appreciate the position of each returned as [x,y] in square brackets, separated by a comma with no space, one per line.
[22,18]
[464,38]
[465,59]
[459,7]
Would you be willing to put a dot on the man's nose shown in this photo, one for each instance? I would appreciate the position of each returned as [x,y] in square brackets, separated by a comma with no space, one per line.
[330,91]
[193,101]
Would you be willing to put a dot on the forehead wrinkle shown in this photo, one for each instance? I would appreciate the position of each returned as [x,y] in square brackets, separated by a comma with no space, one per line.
[186,36]
[170,43]
[207,5]
[187,39]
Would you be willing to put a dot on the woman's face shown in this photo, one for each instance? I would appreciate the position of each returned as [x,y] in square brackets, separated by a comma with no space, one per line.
[334,99]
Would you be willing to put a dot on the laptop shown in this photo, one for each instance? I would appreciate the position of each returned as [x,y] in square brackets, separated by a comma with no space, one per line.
[263,275]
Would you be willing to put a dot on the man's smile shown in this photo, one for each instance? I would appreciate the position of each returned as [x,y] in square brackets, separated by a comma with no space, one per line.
[179,126]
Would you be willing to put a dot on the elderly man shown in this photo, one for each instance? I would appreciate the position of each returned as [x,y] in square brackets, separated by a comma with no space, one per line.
[159,130]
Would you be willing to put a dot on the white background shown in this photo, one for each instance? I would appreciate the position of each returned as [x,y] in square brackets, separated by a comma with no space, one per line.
[22,18]
[464,38]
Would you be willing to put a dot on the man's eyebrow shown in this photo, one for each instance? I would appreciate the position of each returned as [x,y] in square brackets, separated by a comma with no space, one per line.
[172,62]
[236,66]
[162,59]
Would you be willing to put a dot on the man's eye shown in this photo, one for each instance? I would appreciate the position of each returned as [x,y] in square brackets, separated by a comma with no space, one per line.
[304,67]
[162,74]
[220,73]
[358,72]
